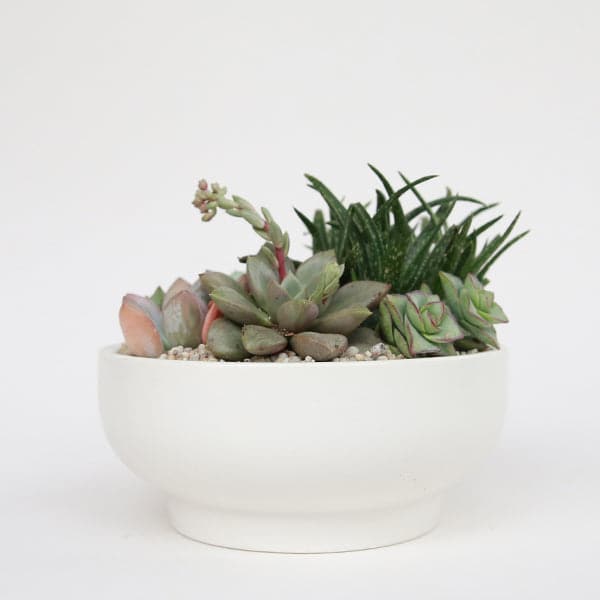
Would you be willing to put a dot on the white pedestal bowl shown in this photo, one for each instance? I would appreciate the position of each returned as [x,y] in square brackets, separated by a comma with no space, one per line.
[303,457]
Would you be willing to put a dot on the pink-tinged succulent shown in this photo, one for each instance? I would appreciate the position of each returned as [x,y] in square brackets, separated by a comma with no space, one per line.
[154,324]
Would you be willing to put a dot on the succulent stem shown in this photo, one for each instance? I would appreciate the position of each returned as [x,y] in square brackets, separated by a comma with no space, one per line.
[209,198]
[211,316]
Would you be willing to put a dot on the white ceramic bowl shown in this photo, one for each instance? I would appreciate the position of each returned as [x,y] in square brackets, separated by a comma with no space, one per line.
[317,457]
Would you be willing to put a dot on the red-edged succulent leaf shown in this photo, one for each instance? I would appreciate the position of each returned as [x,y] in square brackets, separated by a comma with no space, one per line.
[141,323]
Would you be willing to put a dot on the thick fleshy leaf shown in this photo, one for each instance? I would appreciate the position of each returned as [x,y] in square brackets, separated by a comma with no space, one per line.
[314,266]
[359,293]
[447,332]
[276,296]
[263,341]
[200,292]
[418,298]
[297,315]
[211,280]
[417,344]
[471,282]
[487,335]
[385,322]
[238,307]
[260,274]
[182,319]
[293,286]
[435,311]
[495,315]
[343,321]
[320,346]
[483,300]
[396,304]
[225,340]
[324,285]
[141,323]
[412,310]
[468,311]
[451,286]
[158,296]
[177,286]
[401,343]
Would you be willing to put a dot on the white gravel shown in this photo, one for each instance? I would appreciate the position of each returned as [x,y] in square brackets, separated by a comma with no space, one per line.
[202,353]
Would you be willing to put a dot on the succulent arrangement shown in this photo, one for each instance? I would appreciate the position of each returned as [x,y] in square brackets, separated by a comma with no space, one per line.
[417,287]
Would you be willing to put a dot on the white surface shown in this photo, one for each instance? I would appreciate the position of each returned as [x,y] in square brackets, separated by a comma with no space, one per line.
[335,463]
[110,111]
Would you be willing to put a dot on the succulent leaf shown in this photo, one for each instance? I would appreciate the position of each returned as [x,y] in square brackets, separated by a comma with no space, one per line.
[182,319]
[320,346]
[276,296]
[262,341]
[322,287]
[293,286]
[260,274]
[418,324]
[239,307]
[474,307]
[417,343]
[297,315]
[344,321]
[312,268]
[158,296]
[177,286]
[358,293]
[225,340]
[141,323]
[211,280]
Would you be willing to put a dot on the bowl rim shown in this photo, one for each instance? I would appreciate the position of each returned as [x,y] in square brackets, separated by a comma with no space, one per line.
[111,352]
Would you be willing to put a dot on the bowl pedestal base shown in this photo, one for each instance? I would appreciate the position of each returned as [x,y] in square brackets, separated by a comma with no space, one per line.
[306,532]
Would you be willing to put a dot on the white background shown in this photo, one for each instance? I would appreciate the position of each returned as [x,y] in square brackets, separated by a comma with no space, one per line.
[110,112]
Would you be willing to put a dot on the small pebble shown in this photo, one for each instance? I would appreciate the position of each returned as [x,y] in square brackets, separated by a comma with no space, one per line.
[379,351]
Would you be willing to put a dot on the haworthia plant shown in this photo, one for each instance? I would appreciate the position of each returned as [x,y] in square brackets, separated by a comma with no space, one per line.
[406,247]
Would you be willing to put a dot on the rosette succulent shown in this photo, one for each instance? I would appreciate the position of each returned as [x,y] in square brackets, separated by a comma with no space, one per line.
[474,307]
[157,323]
[307,309]
[418,324]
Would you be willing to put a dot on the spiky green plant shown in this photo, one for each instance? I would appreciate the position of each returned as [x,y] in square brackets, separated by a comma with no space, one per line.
[418,324]
[307,310]
[406,247]
[153,324]
[475,308]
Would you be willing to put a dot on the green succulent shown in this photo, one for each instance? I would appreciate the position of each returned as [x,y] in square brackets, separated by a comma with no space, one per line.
[475,309]
[385,240]
[307,309]
[418,324]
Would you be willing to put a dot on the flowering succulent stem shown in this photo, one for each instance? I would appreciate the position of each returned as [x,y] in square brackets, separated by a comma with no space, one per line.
[209,198]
